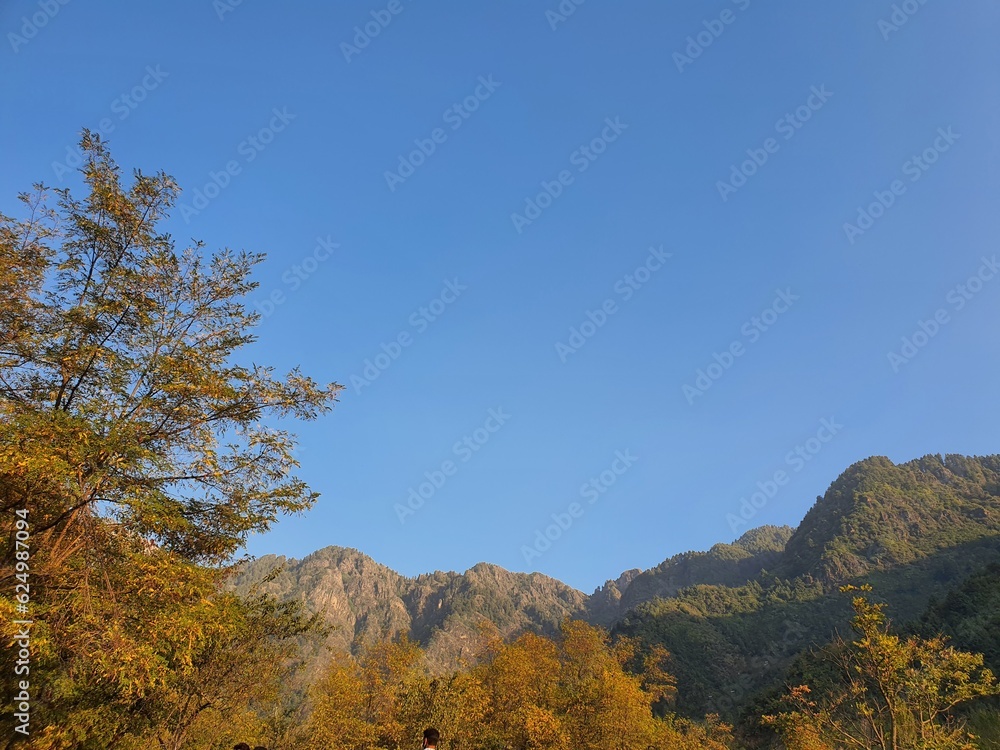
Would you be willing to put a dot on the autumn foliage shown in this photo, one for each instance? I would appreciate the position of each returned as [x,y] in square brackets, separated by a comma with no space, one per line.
[141,453]
[535,693]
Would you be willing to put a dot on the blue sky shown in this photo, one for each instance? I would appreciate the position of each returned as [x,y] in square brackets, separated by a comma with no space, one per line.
[636,130]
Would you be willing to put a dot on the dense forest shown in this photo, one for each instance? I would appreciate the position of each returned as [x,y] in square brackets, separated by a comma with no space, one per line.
[138,452]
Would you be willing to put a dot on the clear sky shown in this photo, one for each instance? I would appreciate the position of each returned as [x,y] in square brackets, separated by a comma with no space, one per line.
[473,181]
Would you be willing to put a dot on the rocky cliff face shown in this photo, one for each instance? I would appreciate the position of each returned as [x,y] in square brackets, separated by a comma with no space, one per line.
[444,611]
[364,601]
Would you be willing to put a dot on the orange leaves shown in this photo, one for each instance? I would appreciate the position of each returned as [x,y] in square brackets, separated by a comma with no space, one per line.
[534,693]
[543,730]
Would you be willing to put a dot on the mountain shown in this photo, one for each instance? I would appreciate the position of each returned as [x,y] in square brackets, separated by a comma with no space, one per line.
[724,564]
[916,531]
[877,516]
[969,615]
[364,601]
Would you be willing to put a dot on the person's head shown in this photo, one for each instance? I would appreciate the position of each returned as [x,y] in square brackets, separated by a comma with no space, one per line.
[431,737]
[241,746]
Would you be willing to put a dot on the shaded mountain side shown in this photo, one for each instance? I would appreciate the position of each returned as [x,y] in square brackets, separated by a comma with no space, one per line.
[729,643]
[969,615]
[913,531]
[724,564]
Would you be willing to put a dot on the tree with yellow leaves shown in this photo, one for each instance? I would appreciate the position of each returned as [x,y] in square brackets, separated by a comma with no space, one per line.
[534,693]
[134,444]
[894,694]
[380,699]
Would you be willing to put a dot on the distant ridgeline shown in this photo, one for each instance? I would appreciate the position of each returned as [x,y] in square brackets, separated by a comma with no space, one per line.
[923,533]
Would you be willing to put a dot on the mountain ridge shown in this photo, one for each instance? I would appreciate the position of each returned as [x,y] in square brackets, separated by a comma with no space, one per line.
[914,530]
[363,600]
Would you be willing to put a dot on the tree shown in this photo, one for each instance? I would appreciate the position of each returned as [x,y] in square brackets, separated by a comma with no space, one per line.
[601,697]
[396,690]
[339,713]
[521,683]
[894,694]
[140,448]
[245,653]
[381,699]
[533,693]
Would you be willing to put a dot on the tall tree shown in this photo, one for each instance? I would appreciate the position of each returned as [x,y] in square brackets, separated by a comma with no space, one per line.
[140,448]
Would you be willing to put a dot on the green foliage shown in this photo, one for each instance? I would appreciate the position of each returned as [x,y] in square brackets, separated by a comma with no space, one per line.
[970,615]
[138,447]
[723,565]
[894,693]
[914,530]
[878,515]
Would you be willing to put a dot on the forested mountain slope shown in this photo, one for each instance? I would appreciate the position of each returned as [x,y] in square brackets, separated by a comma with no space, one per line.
[915,531]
